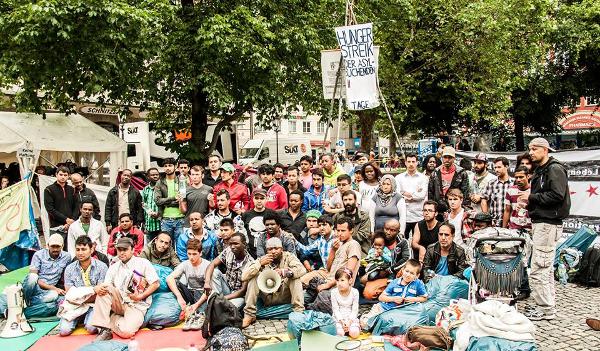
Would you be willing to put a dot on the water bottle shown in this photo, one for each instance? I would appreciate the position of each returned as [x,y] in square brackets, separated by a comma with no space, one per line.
[192,347]
[562,274]
[133,345]
[182,181]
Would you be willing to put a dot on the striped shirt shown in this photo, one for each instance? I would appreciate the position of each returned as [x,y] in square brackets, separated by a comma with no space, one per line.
[150,224]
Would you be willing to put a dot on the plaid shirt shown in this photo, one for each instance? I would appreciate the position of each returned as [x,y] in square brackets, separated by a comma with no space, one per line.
[74,274]
[150,224]
[321,245]
[233,268]
[495,193]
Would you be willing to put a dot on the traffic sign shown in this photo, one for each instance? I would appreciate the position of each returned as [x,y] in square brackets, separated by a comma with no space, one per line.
[341,143]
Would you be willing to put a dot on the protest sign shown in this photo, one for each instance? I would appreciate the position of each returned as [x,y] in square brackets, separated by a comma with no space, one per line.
[14,212]
[360,61]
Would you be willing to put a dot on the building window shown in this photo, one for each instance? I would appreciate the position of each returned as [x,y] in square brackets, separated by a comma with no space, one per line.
[321,127]
[591,100]
[292,127]
[306,127]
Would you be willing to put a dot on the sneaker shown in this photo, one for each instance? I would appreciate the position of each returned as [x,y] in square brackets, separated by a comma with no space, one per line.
[196,322]
[538,315]
[187,325]
[104,334]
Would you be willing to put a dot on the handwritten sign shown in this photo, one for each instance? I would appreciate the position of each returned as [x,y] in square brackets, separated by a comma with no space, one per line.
[26,152]
[361,62]
[330,63]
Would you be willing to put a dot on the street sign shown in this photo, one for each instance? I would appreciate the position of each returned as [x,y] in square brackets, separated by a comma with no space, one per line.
[341,143]
[357,143]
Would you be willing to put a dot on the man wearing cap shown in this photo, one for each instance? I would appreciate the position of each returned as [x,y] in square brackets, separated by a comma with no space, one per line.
[126,292]
[238,192]
[253,219]
[445,177]
[43,284]
[290,270]
[481,178]
[276,195]
[548,204]
[170,201]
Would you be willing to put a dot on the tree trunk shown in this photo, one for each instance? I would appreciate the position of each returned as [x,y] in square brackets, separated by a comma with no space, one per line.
[200,123]
[519,137]
[366,120]
[392,138]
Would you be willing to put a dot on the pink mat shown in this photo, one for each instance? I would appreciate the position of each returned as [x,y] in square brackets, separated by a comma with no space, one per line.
[149,340]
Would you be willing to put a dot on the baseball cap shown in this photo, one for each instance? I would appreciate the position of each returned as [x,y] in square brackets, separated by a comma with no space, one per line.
[481,157]
[259,191]
[228,167]
[55,240]
[541,142]
[449,151]
[483,217]
[312,214]
[274,242]
[124,243]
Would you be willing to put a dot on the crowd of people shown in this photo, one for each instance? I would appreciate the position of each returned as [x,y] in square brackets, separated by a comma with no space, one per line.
[328,234]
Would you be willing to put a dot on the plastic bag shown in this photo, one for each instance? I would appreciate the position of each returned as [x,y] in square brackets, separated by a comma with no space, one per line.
[309,320]
[441,290]
[163,311]
[162,272]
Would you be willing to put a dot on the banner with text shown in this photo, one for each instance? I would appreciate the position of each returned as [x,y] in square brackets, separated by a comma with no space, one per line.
[14,212]
[361,62]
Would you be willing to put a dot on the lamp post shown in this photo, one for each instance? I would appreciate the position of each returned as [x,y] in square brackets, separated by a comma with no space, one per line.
[277,127]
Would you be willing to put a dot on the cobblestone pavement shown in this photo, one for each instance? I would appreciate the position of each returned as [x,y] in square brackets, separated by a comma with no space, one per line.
[567,332]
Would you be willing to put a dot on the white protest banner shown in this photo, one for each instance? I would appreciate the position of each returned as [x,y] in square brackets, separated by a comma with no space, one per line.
[14,212]
[330,62]
[361,61]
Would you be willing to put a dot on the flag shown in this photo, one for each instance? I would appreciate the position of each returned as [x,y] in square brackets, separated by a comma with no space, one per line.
[14,212]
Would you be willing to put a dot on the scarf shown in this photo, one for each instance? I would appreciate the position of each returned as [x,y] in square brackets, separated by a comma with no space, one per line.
[386,198]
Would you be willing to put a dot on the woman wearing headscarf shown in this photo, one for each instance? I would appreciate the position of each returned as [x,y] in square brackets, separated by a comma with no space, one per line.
[387,204]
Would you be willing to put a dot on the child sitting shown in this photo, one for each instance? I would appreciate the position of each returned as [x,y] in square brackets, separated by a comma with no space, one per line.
[344,304]
[378,259]
[406,289]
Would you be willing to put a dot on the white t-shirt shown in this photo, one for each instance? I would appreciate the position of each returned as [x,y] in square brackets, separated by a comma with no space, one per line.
[124,275]
[367,191]
[194,275]
[344,307]
[457,223]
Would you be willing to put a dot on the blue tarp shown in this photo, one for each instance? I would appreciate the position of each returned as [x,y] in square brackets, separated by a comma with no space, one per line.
[581,240]
[489,343]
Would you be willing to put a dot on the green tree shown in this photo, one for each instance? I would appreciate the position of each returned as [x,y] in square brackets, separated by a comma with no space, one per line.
[186,63]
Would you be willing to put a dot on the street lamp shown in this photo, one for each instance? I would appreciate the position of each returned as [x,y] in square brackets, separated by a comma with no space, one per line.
[277,127]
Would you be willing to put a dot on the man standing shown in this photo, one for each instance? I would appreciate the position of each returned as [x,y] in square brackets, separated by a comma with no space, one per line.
[84,272]
[479,182]
[362,227]
[448,176]
[83,194]
[293,182]
[86,225]
[123,198]
[183,166]
[287,265]
[331,170]
[278,170]
[238,192]
[208,238]
[292,218]
[273,230]
[316,195]
[213,176]
[412,185]
[151,211]
[235,259]
[197,196]
[127,291]
[253,219]
[276,195]
[305,176]
[223,210]
[515,212]
[168,199]
[426,231]
[160,251]
[59,201]
[445,257]
[548,204]
[495,193]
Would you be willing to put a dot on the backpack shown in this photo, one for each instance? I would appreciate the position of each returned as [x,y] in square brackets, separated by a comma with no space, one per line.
[570,259]
[220,313]
[229,339]
[589,271]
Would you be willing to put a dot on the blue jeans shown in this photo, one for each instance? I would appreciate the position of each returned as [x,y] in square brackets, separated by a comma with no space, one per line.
[219,285]
[173,226]
[66,327]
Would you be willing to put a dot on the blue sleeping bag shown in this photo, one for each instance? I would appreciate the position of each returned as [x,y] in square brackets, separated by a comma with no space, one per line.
[310,320]
[441,290]
[162,272]
[163,311]
[490,343]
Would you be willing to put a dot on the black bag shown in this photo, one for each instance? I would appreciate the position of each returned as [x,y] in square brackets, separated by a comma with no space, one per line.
[220,313]
[229,339]
[589,271]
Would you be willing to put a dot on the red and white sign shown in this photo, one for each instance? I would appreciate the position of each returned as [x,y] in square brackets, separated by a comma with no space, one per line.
[581,120]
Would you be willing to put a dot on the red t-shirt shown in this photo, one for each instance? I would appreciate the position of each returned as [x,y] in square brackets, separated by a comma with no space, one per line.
[447,176]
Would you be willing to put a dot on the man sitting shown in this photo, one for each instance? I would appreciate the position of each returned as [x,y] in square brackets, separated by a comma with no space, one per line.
[126,291]
[125,229]
[85,272]
[235,258]
[190,296]
[290,269]
[273,230]
[445,257]
[361,222]
[159,251]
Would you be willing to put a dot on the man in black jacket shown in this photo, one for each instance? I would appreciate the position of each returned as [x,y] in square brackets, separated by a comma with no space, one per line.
[123,198]
[445,257]
[445,177]
[84,194]
[59,201]
[548,204]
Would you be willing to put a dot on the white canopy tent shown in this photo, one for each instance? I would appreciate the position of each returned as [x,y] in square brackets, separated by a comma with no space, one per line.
[57,138]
